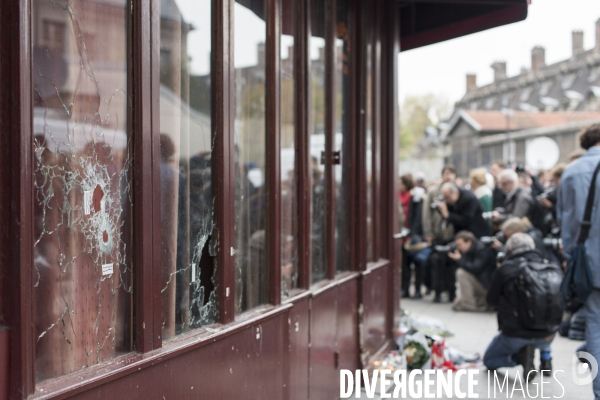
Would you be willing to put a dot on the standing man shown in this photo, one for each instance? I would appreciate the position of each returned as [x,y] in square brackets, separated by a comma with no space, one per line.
[497,194]
[518,203]
[574,187]
[437,231]
[463,210]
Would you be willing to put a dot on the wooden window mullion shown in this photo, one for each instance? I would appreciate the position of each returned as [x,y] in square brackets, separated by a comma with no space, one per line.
[146,173]
[223,114]
[302,143]
[273,148]
[330,28]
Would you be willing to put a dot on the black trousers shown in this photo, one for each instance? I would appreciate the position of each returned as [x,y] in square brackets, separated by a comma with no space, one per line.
[407,264]
[443,273]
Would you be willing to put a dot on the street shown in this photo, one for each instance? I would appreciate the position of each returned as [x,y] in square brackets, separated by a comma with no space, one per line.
[472,333]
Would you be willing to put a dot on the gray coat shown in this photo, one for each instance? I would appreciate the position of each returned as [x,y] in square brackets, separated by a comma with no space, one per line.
[434,225]
[519,205]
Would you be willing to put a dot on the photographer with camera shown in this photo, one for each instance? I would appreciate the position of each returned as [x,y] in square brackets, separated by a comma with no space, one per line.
[526,292]
[463,210]
[518,203]
[547,202]
[517,225]
[437,231]
[475,266]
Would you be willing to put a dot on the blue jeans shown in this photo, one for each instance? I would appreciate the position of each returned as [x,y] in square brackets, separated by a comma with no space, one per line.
[500,353]
[592,332]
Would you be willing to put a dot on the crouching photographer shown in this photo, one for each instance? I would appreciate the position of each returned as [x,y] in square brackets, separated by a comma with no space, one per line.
[526,292]
[475,266]
[509,228]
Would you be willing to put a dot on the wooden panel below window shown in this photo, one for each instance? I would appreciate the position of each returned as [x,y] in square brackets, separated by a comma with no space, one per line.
[247,365]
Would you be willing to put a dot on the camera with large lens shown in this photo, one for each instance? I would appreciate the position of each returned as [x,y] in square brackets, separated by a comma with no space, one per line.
[435,204]
[487,215]
[553,243]
[500,257]
[549,194]
[489,240]
[449,248]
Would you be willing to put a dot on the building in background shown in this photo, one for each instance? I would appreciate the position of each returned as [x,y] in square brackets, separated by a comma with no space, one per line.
[498,120]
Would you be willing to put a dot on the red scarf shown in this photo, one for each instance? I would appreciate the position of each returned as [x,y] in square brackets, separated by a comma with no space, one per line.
[405,201]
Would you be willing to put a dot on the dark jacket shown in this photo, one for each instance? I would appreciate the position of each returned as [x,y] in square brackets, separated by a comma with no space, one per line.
[498,198]
[467,214]
[520,205]
[480,261]
[502,294]
[415,214]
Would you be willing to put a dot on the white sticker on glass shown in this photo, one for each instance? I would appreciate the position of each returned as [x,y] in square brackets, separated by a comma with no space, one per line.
[193,272]
[87,202]
[107,269]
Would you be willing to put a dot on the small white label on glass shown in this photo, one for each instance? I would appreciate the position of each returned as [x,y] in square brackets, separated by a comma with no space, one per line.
[107,269]
[87,201]
[193,272]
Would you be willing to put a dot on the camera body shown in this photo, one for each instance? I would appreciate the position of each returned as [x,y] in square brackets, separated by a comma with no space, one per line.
[490,239]
[549,194]
[449,248]
[489,214]
[435,204]
[553,243]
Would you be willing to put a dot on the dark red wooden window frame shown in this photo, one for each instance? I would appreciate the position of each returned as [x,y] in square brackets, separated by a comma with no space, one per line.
[144,116]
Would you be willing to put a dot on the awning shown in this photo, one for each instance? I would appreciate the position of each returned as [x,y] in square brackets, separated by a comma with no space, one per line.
[424,22]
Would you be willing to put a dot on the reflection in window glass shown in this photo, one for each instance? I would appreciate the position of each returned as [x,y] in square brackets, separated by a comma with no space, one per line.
[342,137]
[317,137]
[289,220]
[251,273]
[82,262]
[188,276]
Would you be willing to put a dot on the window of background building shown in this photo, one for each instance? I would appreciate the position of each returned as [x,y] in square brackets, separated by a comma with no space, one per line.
[251,273]
[317,138]
[187,202]
[82,281]
[289,196]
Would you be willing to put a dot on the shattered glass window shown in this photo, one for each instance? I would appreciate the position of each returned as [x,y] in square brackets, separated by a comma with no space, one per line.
[82,194]
[342,137]
[317,139]
[187,202]
[251,273]
[289,206]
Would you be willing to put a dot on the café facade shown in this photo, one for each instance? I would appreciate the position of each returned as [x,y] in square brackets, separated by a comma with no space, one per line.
[198,198]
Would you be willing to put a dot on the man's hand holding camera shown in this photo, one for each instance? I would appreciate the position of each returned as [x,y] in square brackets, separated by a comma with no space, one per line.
[455,255]
[443,209]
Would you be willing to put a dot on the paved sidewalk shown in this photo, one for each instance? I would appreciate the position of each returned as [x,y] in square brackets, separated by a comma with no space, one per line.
[473,332]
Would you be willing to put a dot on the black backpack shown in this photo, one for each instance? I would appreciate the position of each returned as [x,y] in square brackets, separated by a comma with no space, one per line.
[539,301]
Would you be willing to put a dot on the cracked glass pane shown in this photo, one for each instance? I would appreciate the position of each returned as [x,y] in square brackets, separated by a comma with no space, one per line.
[317,138]
[289,206]
[187,203]
[82,194]
[251,273]
[342,137]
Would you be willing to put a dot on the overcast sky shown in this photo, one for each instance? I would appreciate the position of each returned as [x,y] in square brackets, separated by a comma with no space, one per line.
[441,68]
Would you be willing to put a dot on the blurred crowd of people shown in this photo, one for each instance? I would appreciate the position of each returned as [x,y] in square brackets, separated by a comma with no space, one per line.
[479,242]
